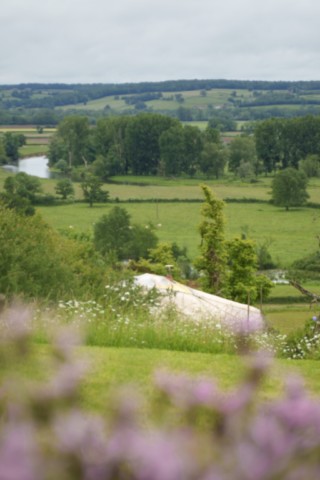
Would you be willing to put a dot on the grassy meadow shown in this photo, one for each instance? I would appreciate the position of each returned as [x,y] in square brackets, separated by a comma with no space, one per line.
[191,99]
[290,234]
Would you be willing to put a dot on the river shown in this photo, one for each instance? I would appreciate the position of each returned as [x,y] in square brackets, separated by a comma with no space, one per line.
[36,166]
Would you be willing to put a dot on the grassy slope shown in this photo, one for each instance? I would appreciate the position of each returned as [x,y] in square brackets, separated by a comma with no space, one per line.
[112,367]
[215,97]
[109,368]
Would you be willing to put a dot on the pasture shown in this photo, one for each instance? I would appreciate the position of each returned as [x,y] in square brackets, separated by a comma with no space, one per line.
[290,234]
[169,101]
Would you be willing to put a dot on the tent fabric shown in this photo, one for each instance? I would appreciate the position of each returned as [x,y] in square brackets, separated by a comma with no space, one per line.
[196,304]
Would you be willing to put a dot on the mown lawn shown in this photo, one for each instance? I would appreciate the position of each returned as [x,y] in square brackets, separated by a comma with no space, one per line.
[108,369]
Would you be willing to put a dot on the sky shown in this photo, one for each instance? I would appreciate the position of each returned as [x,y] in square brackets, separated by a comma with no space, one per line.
[119,41]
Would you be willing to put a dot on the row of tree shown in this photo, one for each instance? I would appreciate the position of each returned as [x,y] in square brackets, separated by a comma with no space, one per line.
[284,143]
[51,95]
[147,144]
[153,144]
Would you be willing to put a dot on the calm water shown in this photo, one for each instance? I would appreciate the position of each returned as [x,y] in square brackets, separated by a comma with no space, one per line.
[36,166]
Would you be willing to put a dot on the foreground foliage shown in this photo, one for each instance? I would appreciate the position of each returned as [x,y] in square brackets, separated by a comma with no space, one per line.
[37,262]
[195,430]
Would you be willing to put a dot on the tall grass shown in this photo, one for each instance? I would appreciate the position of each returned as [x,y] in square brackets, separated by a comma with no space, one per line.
[127,316]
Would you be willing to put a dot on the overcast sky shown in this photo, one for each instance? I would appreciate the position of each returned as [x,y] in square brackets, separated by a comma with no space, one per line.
[117,41]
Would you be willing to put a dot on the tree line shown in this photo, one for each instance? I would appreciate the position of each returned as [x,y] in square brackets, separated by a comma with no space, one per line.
[147,144]
[154,144]
[58,94]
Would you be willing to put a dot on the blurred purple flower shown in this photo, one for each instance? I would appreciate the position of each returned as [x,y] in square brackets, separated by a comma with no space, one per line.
[19,455]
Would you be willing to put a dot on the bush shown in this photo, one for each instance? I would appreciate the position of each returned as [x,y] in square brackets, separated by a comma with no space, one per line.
[36,262]
[310,263]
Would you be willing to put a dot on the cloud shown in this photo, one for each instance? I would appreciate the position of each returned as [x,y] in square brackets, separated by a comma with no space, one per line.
[81,41]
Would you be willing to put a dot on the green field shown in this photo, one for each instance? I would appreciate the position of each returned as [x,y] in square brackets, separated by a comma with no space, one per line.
[191,99]
[110,368]
[33,149]
[291,234]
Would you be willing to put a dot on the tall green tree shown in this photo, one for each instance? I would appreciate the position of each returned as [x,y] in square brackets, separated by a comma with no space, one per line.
[73,133]
[269,143]
[213,159]
[243,150]
[12,142]
[142,142]
[92,190]
[112,233]
[229,267]
[3,154]
[213,259]
[109,138]
[172,150]
[310,165]
[114,236]
[289,188]
[222,121]
[64,187]
[192,150]
[244,284]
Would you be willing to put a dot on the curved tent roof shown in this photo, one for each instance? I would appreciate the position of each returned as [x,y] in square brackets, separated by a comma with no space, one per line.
[197,304]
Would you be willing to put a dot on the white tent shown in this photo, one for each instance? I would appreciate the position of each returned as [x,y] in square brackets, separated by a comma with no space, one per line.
[200,305]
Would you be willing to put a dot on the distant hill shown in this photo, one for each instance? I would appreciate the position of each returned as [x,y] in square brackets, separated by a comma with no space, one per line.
[186,99]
